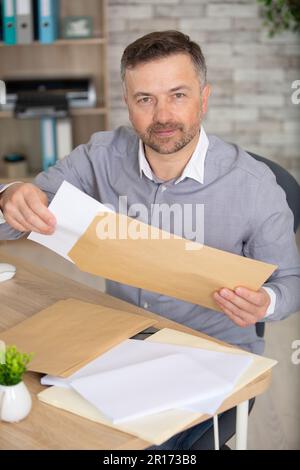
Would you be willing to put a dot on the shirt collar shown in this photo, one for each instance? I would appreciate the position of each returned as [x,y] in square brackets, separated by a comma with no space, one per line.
[194,168]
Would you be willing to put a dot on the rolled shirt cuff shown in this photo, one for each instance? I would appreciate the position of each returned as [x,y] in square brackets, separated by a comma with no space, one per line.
[271,308]
[2,220]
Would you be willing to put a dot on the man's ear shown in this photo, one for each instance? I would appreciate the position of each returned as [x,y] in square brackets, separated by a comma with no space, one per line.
[204,96]
[124,93]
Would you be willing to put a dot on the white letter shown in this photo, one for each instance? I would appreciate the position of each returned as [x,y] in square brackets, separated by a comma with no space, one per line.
[296,95]
[106,227]
[296,355]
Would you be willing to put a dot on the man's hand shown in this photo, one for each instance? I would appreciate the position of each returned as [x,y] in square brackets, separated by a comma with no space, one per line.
[24,207]
[243,306]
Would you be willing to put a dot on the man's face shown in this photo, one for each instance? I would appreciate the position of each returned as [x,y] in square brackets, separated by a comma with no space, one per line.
[165,102]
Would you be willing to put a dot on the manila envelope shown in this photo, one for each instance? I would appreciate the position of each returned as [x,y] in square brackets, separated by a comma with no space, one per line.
[70,333]
[126,250]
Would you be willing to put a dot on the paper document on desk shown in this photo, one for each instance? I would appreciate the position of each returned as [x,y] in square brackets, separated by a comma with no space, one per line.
[158,427]
[111,245]
[258,366]
[173,381]
[133,351]
[154,377]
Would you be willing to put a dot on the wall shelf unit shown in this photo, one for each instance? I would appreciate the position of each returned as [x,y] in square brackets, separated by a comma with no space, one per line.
[64,57]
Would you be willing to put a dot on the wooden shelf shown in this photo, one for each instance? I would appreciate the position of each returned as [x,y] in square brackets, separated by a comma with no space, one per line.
[26,179]
[62,58]
[88,111]
[61,42]
[73,112]
[6,114]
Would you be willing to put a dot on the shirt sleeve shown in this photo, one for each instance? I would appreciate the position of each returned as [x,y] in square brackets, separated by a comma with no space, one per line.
[273,240]
[76,168]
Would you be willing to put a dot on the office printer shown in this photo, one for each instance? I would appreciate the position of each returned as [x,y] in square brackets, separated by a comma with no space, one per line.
[33,97]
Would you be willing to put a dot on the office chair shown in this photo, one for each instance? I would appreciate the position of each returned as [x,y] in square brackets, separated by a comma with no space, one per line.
[227,421]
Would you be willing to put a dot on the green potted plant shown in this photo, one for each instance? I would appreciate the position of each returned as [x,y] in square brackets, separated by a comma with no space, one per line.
[15,400]
[281,15]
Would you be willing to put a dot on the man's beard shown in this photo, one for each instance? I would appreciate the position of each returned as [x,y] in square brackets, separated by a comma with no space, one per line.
[167,145]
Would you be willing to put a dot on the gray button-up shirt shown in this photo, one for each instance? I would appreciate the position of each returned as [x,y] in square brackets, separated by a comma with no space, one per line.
[245,212]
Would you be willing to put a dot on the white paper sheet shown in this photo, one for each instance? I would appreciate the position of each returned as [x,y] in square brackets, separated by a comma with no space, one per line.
[74,211]
[129,352]
[218,372]
[150,387]
[258,366]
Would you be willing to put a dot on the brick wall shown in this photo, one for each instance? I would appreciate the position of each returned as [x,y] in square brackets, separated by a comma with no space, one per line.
[251,74]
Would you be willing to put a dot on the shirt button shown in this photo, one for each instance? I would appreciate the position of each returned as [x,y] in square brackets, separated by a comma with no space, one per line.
[146,305]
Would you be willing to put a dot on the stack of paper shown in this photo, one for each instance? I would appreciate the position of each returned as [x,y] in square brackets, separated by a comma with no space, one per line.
[138,378]
[156,427]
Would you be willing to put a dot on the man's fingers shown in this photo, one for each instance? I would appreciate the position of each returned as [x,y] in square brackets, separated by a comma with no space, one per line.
[243,306]
[39,207]
[35,223]
[255,298]
[238,301]
[25,209]
[22,218]
[16,225]
[17,222]
[235,313]
[237,320]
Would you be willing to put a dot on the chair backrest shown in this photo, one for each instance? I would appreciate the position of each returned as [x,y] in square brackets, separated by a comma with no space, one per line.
[288,184]
[292,191]
[227,421]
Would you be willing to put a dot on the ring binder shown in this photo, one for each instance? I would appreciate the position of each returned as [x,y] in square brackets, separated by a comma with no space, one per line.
[47,20]
[9,22]
[24,21]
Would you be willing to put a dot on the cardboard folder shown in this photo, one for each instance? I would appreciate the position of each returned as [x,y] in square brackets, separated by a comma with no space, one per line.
[70,333]
[144,256]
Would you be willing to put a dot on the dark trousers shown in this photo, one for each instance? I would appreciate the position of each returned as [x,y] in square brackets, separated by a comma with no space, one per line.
[185,439]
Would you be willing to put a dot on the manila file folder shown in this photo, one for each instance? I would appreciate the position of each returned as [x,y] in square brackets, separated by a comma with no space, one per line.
[70,333]
[144,256]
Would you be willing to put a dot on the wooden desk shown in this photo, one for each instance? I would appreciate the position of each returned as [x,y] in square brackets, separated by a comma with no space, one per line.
[47,427]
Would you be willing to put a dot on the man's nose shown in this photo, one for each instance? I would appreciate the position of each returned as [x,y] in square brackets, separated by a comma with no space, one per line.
[162,112]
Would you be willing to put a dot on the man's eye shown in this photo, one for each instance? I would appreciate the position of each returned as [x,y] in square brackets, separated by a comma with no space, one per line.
[145,99]
[179,95]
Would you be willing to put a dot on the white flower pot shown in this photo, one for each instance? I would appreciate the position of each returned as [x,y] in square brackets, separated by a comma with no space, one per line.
[15,402]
